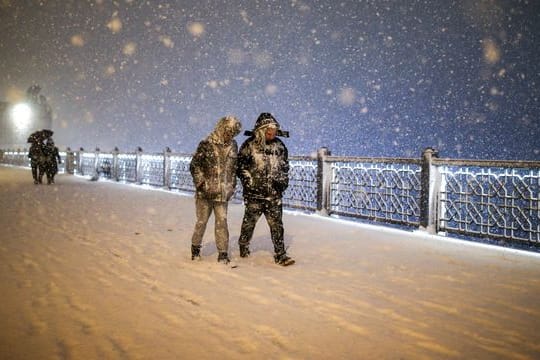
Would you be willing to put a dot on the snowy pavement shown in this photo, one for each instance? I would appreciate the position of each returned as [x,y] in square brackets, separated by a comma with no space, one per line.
[100,270]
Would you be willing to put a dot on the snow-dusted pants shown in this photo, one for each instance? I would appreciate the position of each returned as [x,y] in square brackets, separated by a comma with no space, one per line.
[273,212]
[204,208]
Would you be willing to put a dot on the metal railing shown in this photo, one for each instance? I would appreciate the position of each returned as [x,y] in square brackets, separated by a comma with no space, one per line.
[497,200]
[20,158]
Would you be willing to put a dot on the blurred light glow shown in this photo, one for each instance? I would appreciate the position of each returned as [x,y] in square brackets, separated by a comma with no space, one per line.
[21,115]
[77,40]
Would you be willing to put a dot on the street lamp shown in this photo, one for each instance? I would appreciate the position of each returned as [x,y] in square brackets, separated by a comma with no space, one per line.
[21,114]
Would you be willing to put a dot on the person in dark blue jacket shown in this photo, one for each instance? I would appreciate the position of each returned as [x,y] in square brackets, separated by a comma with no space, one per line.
[263,169]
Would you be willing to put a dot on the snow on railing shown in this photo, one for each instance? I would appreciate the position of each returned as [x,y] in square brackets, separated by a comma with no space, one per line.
[497,200]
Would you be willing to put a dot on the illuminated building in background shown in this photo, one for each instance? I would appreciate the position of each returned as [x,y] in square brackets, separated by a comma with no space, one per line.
[19,120]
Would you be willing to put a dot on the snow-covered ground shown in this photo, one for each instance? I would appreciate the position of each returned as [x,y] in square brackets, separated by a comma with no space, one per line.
[99,270]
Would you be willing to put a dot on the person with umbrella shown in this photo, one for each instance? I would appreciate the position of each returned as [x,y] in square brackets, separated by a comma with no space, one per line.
[50,164]
[39,155]
[35,153]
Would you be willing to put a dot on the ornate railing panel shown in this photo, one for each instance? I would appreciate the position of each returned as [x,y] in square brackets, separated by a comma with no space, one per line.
[491,202]
[302,184]
[15,158]
[62,165]
[105,164]
[180,177]
[377,191]
[152,170]
[20,158]
[127,167]
[88,164]
[302,190]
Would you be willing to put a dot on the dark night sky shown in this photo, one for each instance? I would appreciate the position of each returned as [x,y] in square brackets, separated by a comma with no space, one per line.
[364,78]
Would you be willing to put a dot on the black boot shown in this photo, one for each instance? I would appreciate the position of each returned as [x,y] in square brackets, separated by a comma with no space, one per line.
[223,257]
[283,260]
[244,251]
[195,252]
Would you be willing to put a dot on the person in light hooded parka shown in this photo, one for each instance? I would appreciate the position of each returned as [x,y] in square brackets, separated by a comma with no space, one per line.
[213,170]
[263,168]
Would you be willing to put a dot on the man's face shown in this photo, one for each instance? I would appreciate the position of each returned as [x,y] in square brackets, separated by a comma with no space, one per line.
[228,134]
[270,133]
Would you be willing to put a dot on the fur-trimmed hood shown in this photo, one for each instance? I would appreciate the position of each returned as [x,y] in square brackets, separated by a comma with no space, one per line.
[229,123]
[264,120]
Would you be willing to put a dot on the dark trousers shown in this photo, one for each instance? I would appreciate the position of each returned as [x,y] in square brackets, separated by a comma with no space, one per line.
[273,212]
[36,171]
[51,169]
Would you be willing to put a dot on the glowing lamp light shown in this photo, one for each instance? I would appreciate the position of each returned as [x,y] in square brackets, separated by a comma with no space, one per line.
[21,115]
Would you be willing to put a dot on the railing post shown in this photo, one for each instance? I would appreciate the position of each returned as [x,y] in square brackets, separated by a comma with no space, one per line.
[79,161]
[138,166]
[114,165]
[429,180]
[69,166]
[24,160]
[324,178]
[96,163]
[167,168]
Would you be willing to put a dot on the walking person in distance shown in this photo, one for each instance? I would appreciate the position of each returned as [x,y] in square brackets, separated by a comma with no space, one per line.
[51,160]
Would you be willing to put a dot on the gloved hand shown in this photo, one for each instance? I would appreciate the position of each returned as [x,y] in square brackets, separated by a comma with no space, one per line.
[200,186]
[247,180]
[229,191]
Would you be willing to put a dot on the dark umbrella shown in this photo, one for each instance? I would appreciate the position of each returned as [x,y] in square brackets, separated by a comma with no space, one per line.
[40,135]
[35,137]
[47,133]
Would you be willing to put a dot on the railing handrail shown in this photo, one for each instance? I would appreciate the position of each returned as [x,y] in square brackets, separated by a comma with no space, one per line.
[333,158]
[488,163]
